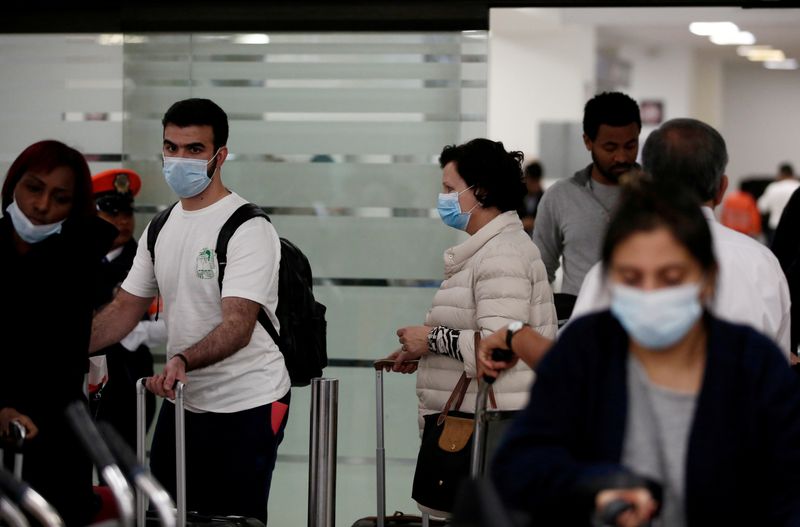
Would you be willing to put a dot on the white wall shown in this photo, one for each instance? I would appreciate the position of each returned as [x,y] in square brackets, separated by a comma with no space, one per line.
[539,70]
[663,74]
[761,119]
[706,93]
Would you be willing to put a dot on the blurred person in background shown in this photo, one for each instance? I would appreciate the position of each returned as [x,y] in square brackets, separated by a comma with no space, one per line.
[776,196]
[113,394]
[534,171]
[740,213]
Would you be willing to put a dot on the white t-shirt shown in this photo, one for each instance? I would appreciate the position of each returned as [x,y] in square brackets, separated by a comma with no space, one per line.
[775,198]
[186,277]
[751,287]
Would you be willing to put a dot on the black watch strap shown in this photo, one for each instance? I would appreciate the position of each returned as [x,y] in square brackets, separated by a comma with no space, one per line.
[510,333]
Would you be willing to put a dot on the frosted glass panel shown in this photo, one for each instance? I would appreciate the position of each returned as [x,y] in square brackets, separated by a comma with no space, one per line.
[355,469]
[348,247]
[362,321]
[63,87]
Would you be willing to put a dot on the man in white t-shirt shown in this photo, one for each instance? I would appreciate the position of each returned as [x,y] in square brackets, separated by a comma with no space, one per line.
[237,386]
[776,196]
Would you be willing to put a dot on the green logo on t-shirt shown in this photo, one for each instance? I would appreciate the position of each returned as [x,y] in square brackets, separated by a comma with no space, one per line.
[205,264]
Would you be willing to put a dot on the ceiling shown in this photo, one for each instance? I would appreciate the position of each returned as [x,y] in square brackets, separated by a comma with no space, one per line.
[664,26]
[81,16]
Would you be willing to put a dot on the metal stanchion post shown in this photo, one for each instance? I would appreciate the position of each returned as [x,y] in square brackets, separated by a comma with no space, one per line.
[322,452]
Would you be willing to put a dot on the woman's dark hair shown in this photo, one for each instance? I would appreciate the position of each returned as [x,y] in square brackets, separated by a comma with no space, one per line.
[46,156]
[646,205]
[495,173]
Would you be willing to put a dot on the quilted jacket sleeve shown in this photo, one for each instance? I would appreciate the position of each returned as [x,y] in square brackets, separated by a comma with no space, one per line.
[510,283]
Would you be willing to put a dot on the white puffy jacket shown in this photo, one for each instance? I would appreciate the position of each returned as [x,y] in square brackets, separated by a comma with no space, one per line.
[491,279]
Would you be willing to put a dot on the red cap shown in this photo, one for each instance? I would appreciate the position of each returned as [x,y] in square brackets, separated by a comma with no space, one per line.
[118,180]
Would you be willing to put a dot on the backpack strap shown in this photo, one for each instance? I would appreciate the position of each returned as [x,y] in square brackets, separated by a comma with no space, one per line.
[154,228]
[239,216]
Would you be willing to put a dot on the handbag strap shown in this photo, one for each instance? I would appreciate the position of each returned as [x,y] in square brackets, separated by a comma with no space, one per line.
[460,390]
[457,395]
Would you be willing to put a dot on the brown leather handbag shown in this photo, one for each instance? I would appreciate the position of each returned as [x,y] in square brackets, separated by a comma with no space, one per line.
[444,455]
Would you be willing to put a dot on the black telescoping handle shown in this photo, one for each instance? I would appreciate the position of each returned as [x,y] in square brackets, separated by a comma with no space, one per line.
[12,487]
[612,511]
[498,355]
[121,451]
[81,423]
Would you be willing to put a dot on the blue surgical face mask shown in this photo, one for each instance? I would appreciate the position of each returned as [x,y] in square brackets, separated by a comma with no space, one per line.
[27,230]
[656,319]
[187,177]
[450,210]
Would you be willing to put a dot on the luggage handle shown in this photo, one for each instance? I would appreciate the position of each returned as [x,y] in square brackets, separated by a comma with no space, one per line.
[380,454]
[383,364]
[18,435]
[180,451]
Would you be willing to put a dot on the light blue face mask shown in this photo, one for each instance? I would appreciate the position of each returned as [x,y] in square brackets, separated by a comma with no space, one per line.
[450,210]
[187,177]
[656,319]
[28,231]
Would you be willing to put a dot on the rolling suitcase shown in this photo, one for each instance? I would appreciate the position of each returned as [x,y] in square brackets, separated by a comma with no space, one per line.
[16,495]
[184,518]
[397,519]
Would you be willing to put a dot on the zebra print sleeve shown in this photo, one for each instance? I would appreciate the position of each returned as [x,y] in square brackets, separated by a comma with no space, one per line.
[444,341]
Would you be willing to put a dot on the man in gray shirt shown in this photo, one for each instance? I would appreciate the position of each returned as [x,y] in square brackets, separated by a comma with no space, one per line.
[573,214]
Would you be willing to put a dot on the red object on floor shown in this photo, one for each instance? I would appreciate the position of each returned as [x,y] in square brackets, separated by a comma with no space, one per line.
[108,505]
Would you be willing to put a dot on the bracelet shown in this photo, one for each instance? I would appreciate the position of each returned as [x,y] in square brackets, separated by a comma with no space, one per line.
[432,340]
[184,359]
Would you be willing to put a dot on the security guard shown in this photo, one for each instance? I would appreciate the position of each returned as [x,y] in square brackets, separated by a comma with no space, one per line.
[113,397]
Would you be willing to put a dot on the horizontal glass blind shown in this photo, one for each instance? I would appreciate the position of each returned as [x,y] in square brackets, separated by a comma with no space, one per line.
[337,136]
[63,87]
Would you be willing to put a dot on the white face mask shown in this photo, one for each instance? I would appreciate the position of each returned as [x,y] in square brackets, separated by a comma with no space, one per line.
[187,177]
[656,319]
[28,231]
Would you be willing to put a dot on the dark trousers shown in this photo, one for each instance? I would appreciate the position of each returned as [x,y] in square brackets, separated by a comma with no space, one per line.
[229,457]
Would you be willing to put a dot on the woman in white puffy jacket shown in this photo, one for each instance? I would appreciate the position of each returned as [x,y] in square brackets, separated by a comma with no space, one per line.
[493,278]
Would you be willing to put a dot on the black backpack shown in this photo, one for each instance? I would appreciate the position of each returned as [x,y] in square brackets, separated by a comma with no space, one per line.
[302,319]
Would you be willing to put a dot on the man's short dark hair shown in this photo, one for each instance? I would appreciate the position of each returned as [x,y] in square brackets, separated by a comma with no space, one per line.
[199,112]
[495,173]
[690,152]
[534,170]
[786,169]
[612,109]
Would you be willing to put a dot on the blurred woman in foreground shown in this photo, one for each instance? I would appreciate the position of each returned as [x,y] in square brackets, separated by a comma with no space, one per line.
[656,403]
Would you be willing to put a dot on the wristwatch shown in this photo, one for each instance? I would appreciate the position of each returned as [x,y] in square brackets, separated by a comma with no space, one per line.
[512,330]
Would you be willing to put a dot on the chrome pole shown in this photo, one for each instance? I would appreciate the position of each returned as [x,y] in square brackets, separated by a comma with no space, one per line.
[322,452]
[141,410]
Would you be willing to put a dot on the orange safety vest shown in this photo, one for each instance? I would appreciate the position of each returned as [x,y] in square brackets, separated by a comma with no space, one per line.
[740,213]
